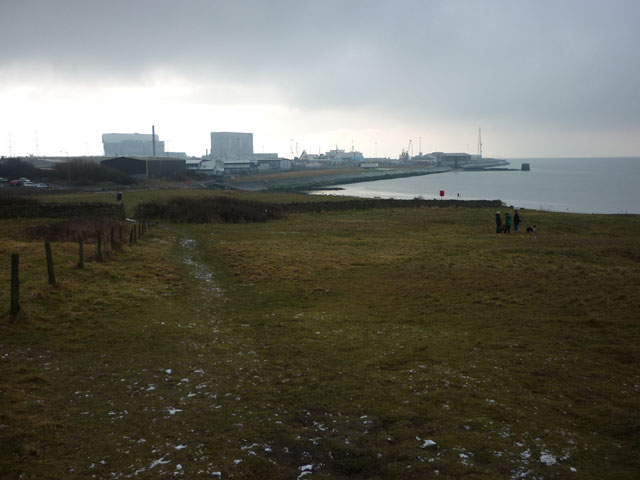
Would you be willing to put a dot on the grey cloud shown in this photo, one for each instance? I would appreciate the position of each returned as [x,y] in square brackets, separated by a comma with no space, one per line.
[560,62]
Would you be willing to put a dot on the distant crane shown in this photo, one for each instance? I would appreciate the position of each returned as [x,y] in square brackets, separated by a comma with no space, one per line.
[404,156]
[479,143]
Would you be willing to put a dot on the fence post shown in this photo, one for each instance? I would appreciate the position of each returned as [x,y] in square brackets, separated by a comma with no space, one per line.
[99,252]
[80,253]
[15,285]
[47,249]
[112,240]
[134,234]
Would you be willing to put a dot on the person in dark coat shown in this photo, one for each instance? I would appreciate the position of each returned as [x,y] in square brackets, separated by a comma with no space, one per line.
[498,222]
[507,220]
[516,220]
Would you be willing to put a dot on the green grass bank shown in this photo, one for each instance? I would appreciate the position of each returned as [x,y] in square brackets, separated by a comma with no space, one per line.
[378,343]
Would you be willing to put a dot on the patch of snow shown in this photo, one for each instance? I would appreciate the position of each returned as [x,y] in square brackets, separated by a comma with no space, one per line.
[428,443]
[168,371]
[306,470]
[573,469]
[160,461]
[547,459]
[180,447]
[173,411]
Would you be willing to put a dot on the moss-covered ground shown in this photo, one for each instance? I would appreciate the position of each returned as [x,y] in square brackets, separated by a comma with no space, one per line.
[397,343]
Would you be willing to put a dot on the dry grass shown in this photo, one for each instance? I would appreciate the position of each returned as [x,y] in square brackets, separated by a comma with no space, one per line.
[341,340]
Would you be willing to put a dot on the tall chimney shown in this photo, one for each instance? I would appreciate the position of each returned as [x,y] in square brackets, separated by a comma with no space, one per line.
[153,138]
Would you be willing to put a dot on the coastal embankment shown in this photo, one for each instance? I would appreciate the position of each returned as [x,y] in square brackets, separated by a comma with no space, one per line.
[321,178]
[304,180]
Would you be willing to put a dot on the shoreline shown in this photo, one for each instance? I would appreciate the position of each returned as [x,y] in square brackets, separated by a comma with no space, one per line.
[321,179]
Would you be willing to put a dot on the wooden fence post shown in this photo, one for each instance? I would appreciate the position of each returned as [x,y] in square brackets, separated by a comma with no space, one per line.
[112,239]
[99,252]
[80,253]
[134,234]
[15,285]
[47,249]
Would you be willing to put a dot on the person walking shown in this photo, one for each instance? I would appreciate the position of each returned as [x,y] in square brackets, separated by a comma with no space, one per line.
[516,220]
[498,223]
[508,221]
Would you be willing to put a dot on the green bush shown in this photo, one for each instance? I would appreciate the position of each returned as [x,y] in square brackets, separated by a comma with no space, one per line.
[210,210]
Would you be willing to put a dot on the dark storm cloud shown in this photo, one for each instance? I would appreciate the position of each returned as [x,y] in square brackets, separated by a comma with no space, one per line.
[559,62]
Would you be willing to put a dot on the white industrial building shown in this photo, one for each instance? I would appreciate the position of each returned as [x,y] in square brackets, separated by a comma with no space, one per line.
[132,144]
[233,154]
[231,145]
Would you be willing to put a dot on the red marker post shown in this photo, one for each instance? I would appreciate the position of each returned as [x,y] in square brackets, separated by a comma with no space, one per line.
[441,193]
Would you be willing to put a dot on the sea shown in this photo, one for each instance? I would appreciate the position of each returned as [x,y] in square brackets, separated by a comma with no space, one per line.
[576,185]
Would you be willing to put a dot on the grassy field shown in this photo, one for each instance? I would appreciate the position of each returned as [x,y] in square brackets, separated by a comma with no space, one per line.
[397,343]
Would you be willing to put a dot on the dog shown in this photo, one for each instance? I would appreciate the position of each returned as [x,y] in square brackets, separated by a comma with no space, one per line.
[532,230]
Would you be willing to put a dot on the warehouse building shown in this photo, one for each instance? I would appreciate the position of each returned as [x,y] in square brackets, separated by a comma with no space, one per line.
[147,167]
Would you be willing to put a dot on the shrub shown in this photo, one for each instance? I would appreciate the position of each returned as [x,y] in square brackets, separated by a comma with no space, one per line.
[86,228]
[16,167]
[83,171]
[210,210]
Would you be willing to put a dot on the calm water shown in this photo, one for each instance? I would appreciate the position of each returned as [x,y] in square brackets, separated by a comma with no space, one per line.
[579,185]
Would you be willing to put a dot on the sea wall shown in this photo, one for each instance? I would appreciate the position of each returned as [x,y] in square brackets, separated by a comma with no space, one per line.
[319,179]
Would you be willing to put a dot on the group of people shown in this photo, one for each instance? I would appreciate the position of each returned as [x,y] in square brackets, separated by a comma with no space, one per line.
[508,221]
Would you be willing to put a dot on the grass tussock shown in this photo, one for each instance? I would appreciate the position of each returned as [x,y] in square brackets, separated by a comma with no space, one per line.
[216,209]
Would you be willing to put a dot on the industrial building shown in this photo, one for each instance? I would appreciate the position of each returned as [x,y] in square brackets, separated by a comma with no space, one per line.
[133,144]
[234,151]
[147,167]
[231,145]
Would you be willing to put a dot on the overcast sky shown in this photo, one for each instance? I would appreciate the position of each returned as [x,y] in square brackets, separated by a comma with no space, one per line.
[541,77]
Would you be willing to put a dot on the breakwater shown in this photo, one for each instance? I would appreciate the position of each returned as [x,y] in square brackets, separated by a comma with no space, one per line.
[318,179]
